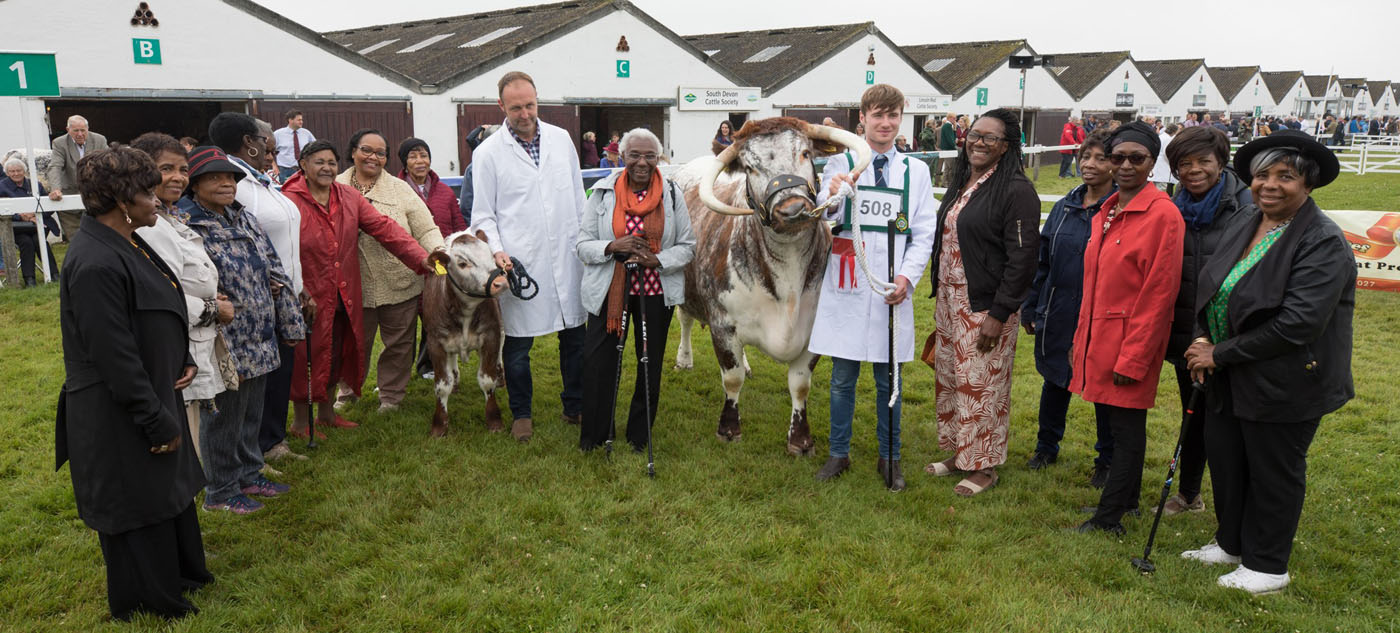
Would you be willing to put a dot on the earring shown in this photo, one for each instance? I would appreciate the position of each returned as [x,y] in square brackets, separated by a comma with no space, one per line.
[253,151]
[128,217]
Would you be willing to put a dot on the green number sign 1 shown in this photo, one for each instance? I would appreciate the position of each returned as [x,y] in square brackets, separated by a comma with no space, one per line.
[28,75]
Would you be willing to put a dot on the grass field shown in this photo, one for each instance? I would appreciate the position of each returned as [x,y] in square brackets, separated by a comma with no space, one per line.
[387,530]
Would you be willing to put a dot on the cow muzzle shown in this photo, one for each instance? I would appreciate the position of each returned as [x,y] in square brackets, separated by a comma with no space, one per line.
[775,186]
[800,199]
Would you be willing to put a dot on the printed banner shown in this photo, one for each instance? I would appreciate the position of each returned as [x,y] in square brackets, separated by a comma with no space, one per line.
[1374,237]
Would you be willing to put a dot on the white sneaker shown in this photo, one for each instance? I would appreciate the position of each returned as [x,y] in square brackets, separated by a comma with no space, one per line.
[1211,554]
[1255,582]
[388,408]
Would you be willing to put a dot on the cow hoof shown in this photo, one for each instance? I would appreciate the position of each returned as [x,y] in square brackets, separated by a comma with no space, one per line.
[725,437]
[438,431]
[801,451]
[495,426]
[685,365]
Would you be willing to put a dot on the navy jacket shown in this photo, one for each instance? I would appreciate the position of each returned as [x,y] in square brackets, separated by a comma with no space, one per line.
[1053,303]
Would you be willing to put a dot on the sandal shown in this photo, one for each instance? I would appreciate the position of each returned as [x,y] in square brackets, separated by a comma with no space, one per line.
[941,469]
[972,487]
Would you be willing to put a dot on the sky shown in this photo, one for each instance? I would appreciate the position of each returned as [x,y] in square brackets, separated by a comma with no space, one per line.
[1356,40]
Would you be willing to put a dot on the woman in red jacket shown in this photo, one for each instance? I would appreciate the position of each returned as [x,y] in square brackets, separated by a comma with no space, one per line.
[332,216]
[417,171]
[1132,269]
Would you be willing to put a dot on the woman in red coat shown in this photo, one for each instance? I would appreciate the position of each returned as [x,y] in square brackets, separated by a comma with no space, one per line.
[332,216]
[417,161]
[1132,269]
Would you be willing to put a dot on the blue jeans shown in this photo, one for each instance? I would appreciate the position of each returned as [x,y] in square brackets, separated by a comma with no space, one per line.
[286,172]
[844,374]
[229,440]
[516,358]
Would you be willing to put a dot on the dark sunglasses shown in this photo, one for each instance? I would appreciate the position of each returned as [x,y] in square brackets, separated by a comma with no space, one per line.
[1136,159]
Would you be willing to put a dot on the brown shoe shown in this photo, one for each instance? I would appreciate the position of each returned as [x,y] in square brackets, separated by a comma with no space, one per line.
[1178,504]
[833,468]
[522,429]
[577,418]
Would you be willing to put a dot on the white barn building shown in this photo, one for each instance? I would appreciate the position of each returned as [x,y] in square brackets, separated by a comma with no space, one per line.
[1107,85]
[1243,89]
[1287,90]
[1183,86]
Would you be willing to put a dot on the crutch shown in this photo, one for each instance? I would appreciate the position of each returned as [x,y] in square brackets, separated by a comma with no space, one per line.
[617,384]
[1144,564]
[646,370]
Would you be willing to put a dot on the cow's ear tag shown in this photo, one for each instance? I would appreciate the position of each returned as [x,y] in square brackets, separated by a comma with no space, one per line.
[437,266]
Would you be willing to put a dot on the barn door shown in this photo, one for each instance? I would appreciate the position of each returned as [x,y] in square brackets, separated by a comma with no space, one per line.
[336,121]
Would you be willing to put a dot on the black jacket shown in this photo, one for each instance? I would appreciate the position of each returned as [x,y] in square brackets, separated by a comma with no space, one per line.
[1236,206]
[1289,357]
[125,343]
[999,241]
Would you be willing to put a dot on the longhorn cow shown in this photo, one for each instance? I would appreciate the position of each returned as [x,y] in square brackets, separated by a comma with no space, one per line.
[760,253]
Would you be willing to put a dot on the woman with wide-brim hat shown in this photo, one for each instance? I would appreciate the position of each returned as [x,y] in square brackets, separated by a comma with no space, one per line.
[1273,345]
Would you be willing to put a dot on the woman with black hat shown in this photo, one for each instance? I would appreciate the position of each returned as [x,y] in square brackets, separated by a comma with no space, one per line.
[418,172]
[121,421]
[1274,347]
[267,314]
[1132,268]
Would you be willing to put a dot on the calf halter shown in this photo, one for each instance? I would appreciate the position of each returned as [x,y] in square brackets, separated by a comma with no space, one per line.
[776,186]
[517,279]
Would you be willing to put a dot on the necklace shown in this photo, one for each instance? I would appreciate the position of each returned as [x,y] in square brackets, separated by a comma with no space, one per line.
[1112,214]
[359,186]
[153,262]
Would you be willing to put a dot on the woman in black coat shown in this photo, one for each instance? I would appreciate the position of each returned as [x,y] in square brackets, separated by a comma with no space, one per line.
[1274,331]
[121,421]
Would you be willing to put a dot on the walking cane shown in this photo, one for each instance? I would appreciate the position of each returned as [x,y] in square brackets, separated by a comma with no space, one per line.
[310,414]
[646,372]
[1144,564]
[889,367]
[617,384]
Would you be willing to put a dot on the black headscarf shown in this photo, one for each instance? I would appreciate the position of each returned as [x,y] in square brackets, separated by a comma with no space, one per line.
[1135,132]
[408,145]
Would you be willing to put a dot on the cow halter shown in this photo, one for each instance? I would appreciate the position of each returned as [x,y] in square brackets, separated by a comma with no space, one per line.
[776,186]
[517,280]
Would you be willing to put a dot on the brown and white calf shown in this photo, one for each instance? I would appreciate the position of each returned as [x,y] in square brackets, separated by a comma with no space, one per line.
[760,255]
[461,315]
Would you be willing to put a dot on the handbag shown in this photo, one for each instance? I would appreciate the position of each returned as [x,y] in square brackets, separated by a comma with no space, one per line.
[227,370]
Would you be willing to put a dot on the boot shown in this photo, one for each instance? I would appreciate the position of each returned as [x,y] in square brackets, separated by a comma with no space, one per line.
[522,429]
[833,468]
[884,476]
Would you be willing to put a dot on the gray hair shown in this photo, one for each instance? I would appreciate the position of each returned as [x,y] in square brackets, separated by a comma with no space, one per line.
[635,134]
[77,118]
[264,127]
[1305,166]
[14,160]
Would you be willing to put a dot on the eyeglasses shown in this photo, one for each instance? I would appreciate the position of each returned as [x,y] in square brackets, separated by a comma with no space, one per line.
[988,139]
[369,151]
[1135,159]
[634,156]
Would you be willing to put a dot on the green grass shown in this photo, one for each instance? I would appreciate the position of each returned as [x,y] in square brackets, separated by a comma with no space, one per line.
[388,530]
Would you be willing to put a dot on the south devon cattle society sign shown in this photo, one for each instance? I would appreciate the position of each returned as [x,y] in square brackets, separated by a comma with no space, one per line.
[718,99]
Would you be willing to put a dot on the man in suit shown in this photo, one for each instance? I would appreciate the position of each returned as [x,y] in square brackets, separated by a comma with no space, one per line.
[63,168]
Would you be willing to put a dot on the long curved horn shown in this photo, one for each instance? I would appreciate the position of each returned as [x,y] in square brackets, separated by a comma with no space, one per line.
[846,139]
[707,184]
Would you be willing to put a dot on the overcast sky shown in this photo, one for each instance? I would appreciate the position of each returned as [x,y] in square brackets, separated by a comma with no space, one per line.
[1357,38]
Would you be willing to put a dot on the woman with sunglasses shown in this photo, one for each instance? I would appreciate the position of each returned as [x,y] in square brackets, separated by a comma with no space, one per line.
[1132,269]
[389,289]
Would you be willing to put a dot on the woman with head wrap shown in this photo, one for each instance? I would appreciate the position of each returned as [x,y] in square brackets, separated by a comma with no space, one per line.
[1132,269]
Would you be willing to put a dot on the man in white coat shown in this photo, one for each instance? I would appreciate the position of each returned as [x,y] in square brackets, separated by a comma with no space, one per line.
[529,200]
[852,324]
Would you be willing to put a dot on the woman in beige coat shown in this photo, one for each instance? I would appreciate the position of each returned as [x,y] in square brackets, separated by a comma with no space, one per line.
[390,290]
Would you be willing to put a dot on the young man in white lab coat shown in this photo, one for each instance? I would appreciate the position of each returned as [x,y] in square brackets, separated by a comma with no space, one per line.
[528,199]
[852,324]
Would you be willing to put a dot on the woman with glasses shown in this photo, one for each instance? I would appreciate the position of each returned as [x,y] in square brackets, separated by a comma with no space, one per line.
[1132,269]
[633,216]
[984,260]
[390,290]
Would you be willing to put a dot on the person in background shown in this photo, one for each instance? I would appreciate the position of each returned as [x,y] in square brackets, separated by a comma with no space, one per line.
[1051,310]
[183,251]
[63,167]
[267,315]
[269,155]
[187,142]
[948,141]
[928,142]
[1190,120]
[417,160]
[984,263]
[1212,201]
[1071,134]
[390,289]
[1161,171]
[16,184]
[588,151]
[290,140]
[1274,348]
[474,139]
[120,422]
[724,137]
[529,201]
[638,216]
[332,216]
[901,144]
[1132,270]
[611,159]
[245,144]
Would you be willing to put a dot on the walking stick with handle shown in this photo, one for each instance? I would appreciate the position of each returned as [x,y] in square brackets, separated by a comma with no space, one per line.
[889,367]
[1144,564]
[646,371]
[617,384]
[310,414]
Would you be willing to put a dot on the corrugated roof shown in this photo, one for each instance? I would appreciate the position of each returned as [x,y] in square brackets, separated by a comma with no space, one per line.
[1318,84]
[958,66]
[1080,73]
[1231,79]
[1167,76]
[1280,83]
[1377,90]
[441,53]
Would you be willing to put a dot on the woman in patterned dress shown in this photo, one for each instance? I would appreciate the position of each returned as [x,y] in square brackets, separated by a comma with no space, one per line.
[984,262]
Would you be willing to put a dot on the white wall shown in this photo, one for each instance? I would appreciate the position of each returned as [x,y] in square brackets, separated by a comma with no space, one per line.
[1004,90]
[1292,102]
[1254,93]
[1180,103]
[582,64]
[1105,95]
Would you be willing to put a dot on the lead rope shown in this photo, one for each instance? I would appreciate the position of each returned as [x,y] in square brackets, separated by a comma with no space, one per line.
[877,285]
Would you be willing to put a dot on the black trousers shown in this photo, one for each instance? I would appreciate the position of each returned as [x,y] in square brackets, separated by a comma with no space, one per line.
[276,398]
[1258,470]
[27,240]
[1125,474]
[600,377]
[1191,468]
[150,568]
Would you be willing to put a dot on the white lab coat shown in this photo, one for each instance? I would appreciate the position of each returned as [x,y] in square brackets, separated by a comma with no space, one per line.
[533,214]
[853,322]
